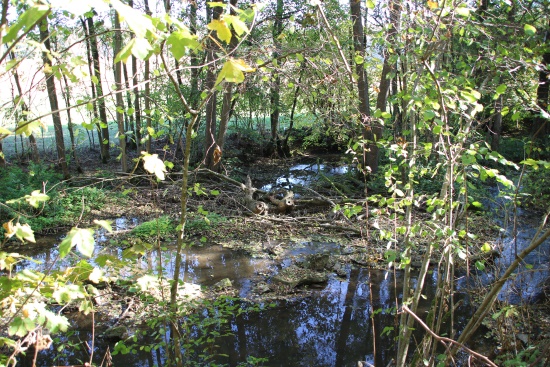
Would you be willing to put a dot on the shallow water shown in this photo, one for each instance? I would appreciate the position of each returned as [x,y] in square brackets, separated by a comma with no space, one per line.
[332,326]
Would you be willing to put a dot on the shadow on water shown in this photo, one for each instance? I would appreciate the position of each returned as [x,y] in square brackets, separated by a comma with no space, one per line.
[330,327]
[333,326]
[517,233]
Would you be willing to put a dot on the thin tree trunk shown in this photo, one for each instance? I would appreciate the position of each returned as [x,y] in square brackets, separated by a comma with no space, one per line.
[227,103]
[147,95]
[24,109]
[540,125]
[92,84]
[52,96]
[137,105]
[70,125]
[117,46]
[130,116]
[275,92]
[496,130]
[370,152]
[211,148]
[104,127]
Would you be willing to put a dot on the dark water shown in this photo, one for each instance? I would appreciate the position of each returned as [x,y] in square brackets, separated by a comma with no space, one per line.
[346,321]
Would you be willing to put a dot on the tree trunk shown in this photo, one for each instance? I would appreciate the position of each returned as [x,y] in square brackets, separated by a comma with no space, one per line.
[104,127]
[540,125]
[275,92]
[70,125]
[92,84]
[147,95]
[137,106]
[211,148]
[227,103]
[130,144]
[52,96]
[496,130]
[24,109]
[370,152]
[117,46]
[2,157]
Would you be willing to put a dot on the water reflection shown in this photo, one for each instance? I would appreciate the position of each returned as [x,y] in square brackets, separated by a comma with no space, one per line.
[304,174]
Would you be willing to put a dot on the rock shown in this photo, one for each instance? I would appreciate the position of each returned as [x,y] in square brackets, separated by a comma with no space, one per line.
[116,333]
[295,276]
[223,284]
[317,262]
[340,270]
[263,288]
[524,338]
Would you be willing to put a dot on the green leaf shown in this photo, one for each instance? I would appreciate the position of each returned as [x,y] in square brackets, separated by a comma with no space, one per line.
[96,275]
[137,22]
[359,59]
[35,198]
[221,28]
[232,71]
[370,4]
[463,11]
[486,247]
[126,51]
[141,49]
[181,40]
[25,22]
[27,128]
[146,282]
[105,224]
[4,131]
[82,238]
[238,25]
[529,30]
[480,265]
[20,327]
[24,232]
[501,89]
[154,165]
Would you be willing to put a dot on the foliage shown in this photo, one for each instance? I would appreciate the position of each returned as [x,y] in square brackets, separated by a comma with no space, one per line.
[161,227]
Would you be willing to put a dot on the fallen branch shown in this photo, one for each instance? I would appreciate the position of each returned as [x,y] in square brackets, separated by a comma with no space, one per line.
[443,340]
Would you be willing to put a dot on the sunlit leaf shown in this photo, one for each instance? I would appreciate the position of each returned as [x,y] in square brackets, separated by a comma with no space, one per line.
[529,30]
[486,247]
[181,40]
[82,238]
[463,11]
[20,327]
[232,71]
[96,275]
[35,198]
[501,89]
[136,20]
[370,4]
[141,49]
[153,164]
[24,232]
[4,131]
[105,224]
[238,25]
[125,53]
[221,28]
[25,22]
[28,128]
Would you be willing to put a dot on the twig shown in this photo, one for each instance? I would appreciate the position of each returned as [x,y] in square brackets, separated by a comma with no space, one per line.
[443,339]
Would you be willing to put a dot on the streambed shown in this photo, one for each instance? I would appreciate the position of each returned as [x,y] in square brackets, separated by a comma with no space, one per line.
[328,324]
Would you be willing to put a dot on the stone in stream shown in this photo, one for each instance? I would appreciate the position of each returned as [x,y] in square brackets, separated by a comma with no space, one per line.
[295,276]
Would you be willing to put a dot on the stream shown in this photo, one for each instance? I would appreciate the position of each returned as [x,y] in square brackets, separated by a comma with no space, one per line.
[329,326]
